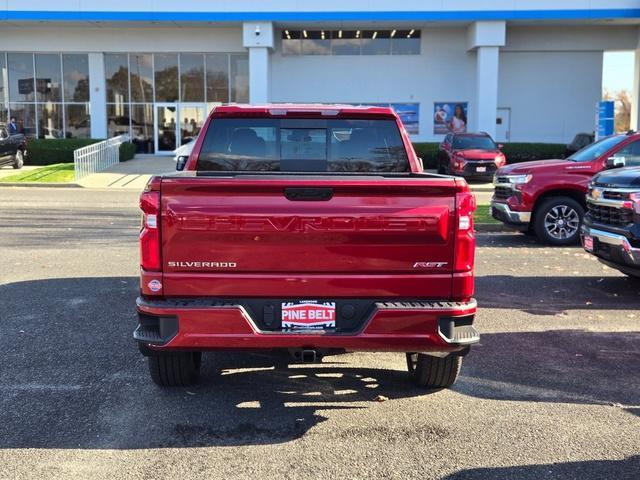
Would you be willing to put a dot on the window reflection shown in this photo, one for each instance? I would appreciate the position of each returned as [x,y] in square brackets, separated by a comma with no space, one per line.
[142,127]
[141,66]
[77,121]
[25,114]
[117,119]
[217,77]
[239,78]
[48,78]
[351,42]
[50,120]
[166,77]
[192,77]
[76,77]
[116,68]
[316,42]
[21,81]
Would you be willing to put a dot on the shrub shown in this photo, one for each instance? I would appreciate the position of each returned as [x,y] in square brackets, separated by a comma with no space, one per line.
[515,152]
[127,151]
[50,151]
[60,150]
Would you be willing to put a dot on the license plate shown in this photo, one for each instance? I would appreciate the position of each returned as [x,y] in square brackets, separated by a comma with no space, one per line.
[588,243]
[481,169]
[308,315]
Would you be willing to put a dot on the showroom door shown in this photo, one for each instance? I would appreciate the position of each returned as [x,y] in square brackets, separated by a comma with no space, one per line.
[166,128]
[503,125]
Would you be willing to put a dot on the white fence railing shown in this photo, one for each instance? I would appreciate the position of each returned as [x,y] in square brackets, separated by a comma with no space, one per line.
[98,156]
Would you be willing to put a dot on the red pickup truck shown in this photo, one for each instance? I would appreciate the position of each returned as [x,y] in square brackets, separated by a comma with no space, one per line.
[547,197]
[308,228]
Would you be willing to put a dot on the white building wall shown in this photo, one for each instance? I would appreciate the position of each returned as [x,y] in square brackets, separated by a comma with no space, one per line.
[75,38]
[552,95]
[443,72]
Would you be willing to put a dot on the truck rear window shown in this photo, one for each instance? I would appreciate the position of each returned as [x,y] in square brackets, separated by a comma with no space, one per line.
[302,145]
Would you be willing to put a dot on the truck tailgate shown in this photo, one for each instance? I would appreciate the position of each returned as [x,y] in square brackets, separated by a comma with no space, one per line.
[315,236]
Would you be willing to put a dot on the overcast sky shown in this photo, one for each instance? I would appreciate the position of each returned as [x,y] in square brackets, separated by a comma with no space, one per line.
[617,71]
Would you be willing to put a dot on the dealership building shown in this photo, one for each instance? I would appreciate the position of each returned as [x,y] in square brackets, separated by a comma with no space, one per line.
[521,70]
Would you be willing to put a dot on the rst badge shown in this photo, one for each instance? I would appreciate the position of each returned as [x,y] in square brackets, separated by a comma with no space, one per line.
[308,315]
[430,264]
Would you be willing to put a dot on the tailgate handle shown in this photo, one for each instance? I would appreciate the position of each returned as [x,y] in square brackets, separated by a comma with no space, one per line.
[306,194]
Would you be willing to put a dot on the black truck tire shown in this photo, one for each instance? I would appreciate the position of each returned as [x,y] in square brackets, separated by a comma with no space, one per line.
[18,160]
[433,372]
[177,369]
[557,221]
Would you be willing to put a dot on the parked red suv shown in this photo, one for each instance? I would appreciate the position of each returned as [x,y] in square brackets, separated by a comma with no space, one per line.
[308,228]
[547,197]
[473,155]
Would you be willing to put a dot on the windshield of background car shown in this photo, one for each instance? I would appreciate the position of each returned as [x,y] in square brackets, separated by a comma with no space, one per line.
[302,145]
[595,150]
[473,143]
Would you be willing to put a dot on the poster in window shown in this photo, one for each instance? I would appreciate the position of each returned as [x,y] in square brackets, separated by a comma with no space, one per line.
[449,117]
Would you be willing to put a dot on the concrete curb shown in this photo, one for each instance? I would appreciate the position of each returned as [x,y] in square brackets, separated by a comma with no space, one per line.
[40,185]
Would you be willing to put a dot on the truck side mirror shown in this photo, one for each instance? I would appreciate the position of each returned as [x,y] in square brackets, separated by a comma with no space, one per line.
[181,162]
[616,162]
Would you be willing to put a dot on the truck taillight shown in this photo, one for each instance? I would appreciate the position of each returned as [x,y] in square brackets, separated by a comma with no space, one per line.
[150,233]
[465,235]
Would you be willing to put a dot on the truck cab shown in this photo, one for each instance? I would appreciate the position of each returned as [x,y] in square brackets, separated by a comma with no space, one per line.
[13,148]
[548,197]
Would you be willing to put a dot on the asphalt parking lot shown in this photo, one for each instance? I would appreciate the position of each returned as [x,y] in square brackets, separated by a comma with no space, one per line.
[552,392]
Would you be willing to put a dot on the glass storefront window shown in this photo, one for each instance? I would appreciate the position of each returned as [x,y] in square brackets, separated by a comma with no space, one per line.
[77,120]
[50,120]
[166,77]
[141,67]
[191,122]
[21,78]
[217,77]
[116,67]
[25,114]
[376,42]
[239,78]
[48,77]
[191,77]
[76,77]
[142,127]
[406,42]
[346,42]
[316,42]
[291,44]
[117,119]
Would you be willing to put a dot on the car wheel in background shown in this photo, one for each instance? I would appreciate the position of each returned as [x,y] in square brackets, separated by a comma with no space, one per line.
[557,221]
[176,369]
[433,372]
[18,160]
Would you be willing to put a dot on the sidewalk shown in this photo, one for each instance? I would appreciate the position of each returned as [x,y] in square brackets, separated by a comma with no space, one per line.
[132,175]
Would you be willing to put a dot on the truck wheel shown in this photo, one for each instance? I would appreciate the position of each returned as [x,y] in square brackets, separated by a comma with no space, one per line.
[18,160]
[433,372]
[177,369]
[557,221]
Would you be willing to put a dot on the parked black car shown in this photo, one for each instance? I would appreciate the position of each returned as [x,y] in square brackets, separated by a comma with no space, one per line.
[580,141]
[13,148]
[611,229]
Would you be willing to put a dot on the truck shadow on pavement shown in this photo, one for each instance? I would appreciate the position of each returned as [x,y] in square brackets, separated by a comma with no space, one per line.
[626,469]
[71,377]
[556,294]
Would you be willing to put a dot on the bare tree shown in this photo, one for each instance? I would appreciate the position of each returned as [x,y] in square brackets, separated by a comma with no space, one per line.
[622,99]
